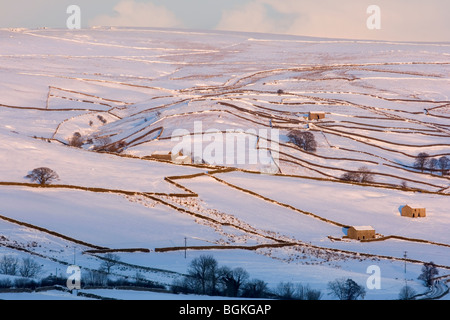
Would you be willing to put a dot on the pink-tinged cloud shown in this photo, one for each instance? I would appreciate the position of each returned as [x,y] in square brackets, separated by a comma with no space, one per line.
[129,13]
[407,20]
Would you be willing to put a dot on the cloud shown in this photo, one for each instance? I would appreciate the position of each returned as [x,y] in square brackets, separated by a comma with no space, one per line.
[129,13]
[318,18]
[250,17]
[409,20]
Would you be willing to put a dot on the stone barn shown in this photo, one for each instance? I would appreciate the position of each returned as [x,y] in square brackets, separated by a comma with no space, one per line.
[182,160]
[411,212]
[361,232]
[162,155]
[316,115]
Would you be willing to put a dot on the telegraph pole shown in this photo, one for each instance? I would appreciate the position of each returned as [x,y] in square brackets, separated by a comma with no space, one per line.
[405,268]
[185,246]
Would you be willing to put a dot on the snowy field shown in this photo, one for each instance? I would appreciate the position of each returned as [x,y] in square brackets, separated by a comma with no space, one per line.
[126,92]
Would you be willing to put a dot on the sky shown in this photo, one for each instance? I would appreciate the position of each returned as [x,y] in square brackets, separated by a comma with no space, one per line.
[399,20]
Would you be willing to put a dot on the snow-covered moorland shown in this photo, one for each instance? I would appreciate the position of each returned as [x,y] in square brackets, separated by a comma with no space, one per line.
[95,104]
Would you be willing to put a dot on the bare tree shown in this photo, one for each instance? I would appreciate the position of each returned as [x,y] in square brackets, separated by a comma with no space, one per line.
[307,293]
[109,261]
[285,290]
[140,278]
[102,142]
[43,175]
[9,265]
[95,278]
[203,272]
[288,291]
[444,165]
[407,293]
[232,279]
[363,175]
[255,288]
[304,140]
[421,161]
[102,119]
[76,140]
[429,271]
[404,185]
[29,268]
[178,286]
[116,147]
[350,176]
[432,165]
[6,283]
[346,289]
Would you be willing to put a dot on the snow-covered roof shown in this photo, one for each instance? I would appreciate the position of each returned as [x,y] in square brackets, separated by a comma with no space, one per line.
[414,206]
[362,228]
[160,153]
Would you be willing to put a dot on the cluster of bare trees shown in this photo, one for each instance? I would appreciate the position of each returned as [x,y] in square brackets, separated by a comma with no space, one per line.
[27,268]
[101,143]
[116,147]
[303,139]
[427,276]
[97,278]
[289,291]
[363,175]
[110,260]
[30,270]
[429,272]
[424,162]
[407,293]
[346,289]
[76,140]
[102,119]
[206,277]
[100,277]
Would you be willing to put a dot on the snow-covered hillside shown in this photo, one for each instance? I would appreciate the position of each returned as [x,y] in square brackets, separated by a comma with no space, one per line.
[128,93]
